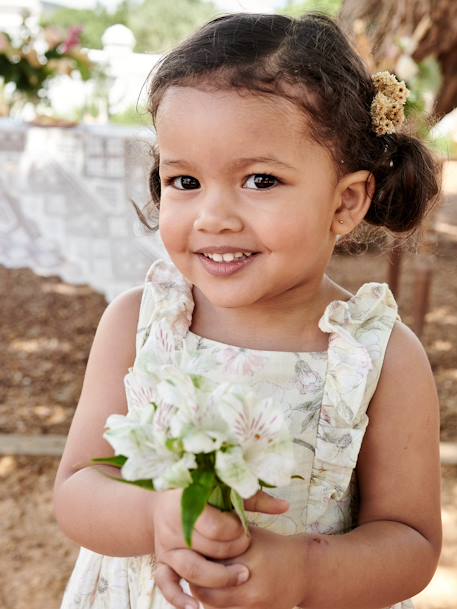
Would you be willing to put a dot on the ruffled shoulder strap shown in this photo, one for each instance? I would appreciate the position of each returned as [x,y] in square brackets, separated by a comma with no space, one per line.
[167,298]
[359,331]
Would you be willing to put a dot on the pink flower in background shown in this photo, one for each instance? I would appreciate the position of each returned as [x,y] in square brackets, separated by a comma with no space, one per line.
[73,40]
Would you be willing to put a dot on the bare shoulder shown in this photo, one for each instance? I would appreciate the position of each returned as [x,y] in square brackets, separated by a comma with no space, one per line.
[399,465]
[406,395]
[103,392]
[124,308]
[116,331]
[404,352]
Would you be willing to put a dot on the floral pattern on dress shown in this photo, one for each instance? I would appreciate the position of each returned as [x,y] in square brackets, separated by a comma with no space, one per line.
[325,396]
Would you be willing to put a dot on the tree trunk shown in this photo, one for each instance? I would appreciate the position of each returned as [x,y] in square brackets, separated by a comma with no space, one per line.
[432,24]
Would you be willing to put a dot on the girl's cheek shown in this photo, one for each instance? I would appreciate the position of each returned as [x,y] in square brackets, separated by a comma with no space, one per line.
[173,229]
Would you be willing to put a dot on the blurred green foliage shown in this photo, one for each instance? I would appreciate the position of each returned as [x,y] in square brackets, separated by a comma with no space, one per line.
[132,116]
[423,87]
[160,24]
[156,24]
[94,22]
[445,147]
[296,9]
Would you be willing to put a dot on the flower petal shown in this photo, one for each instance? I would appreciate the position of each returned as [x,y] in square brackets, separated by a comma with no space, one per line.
[178,475]
[273,463]
[232,469]
[198,441]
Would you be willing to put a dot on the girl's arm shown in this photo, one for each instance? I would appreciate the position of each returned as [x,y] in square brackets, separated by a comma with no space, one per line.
[96,512]
[394,551]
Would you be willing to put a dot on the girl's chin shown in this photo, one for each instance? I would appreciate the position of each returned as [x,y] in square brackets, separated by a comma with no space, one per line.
[228,297]
[226,300]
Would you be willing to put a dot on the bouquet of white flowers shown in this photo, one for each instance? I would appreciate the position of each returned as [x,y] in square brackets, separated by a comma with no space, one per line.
[220,443]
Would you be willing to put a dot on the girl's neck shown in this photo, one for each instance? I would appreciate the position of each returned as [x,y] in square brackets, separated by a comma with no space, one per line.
[290,324]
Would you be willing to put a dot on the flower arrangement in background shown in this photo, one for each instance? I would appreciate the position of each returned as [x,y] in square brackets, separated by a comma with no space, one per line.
[31,59]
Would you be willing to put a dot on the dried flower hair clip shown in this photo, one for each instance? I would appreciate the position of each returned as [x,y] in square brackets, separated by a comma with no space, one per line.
[387,113]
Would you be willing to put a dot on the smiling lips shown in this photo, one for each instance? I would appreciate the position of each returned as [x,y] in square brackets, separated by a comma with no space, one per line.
[226,261]
[225,253]
[228,257]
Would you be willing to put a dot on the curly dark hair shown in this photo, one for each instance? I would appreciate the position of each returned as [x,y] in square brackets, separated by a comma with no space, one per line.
[265,53]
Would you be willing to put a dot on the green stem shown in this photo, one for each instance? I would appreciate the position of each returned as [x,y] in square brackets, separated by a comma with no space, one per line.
[220,498]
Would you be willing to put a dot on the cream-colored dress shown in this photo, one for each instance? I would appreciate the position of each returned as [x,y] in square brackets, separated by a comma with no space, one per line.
[325,396]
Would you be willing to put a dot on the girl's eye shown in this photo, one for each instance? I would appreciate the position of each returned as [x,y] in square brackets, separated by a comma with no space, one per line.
[184,182]
[261,181]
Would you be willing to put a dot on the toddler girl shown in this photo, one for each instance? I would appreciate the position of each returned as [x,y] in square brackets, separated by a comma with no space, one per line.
[272,143]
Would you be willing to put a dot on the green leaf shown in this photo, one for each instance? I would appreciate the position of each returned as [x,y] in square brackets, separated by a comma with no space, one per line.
[238,504]
[117,461]
[194,499]
[297,476]
[146,484]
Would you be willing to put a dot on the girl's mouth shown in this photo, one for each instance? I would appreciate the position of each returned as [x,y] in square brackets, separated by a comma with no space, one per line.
[220,267]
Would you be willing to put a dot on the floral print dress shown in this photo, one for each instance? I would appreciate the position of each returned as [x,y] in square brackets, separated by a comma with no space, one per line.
[325,396]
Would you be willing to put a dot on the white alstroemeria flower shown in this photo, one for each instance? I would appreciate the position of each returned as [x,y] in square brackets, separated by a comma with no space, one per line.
[232,469]
[140,389]
[196,419]
[148,457]
[177,475]
[129,433]
[176,388]
[265,448]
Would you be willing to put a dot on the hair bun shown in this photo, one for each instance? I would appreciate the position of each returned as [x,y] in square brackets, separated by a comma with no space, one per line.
[406,184]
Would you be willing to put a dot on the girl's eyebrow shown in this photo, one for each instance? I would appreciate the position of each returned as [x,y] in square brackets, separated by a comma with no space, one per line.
[237,164]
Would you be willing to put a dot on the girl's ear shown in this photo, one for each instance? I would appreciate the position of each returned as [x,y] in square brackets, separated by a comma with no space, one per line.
[353,195]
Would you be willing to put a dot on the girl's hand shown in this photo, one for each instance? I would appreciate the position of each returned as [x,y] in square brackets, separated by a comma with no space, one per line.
[278,577]
[217,535]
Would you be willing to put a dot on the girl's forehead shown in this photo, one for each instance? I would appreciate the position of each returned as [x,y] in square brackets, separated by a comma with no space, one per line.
[181,101]
[199,113]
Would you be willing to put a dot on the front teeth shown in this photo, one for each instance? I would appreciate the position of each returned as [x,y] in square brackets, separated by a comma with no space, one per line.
[227,257]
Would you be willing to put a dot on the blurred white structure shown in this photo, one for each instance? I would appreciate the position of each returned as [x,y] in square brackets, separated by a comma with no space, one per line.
[11,13]
[125,73]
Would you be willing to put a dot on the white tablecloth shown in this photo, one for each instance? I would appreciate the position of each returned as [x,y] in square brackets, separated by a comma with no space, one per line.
[65,203]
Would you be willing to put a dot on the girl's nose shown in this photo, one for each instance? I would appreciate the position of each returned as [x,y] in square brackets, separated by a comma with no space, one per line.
[217,215]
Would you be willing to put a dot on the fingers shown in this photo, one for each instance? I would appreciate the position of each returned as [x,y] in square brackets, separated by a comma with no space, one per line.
[265,503]
[212,598]
[202,572]
[217,525]
[168,582]
[219,550]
